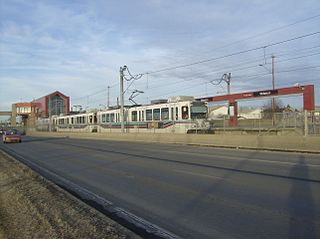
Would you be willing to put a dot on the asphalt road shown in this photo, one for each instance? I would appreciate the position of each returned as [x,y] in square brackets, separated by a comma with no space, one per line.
[193,192]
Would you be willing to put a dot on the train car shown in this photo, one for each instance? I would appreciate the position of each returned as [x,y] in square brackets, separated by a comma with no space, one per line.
[177,114]
[174,115]
[83,122]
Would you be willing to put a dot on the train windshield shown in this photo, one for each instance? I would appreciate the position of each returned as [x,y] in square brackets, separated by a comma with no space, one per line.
[199,110]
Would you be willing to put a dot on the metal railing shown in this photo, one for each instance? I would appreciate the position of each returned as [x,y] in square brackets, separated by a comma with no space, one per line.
[303,123]
[286,123]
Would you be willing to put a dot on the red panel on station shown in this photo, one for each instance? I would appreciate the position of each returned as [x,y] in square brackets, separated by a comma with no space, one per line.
[306,90]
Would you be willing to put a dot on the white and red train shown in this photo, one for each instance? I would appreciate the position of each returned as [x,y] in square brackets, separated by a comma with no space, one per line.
[177,114]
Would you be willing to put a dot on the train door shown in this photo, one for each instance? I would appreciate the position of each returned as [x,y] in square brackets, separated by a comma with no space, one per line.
[95,119]
[185,112]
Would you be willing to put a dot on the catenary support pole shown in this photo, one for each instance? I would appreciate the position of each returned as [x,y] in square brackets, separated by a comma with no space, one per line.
[122,69]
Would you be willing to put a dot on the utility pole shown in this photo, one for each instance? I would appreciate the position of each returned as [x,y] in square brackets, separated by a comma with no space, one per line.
[227,78]
[49,112]
[122,69]
[108,98]
[273,87]
[228,82]
[273,77]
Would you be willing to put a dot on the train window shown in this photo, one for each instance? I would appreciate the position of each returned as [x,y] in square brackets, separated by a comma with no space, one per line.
[112,117]
[142,115]
[198,112]
[156,114]
[134,116]
[148,114]
[72,120]
[164,113]
[139,118]
[103,118]
[177,113]
[185,112]
[171,116]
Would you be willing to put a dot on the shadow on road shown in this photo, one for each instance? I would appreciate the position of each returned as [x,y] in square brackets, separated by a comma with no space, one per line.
[29,140]
[214,187]
[301,204]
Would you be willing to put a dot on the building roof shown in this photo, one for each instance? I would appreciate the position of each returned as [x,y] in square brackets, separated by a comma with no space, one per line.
[53,93]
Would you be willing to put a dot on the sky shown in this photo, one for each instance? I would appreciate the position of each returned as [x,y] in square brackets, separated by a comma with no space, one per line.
[77,48]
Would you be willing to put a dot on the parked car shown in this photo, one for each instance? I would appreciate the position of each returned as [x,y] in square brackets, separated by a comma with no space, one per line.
[11,136]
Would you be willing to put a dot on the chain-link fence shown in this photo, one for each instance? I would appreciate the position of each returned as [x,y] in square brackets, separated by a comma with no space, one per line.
[303,123]
[285,123]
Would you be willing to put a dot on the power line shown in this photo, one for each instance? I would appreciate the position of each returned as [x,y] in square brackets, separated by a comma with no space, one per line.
[94,93]
[217,71]
[203,76]
[283,71]
[232,54]
[267,32]
[218,80]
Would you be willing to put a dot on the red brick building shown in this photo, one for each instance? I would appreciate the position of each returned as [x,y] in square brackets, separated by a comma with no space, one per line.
[55,103]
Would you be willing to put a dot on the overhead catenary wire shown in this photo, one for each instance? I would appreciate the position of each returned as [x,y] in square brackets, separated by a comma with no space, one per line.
[254,77]
[206,75]
[267,32]
[257,61]
[94,93]
[231,54]
[138,76]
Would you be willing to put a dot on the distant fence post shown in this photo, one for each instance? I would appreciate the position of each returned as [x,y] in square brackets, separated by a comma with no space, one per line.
[305,123]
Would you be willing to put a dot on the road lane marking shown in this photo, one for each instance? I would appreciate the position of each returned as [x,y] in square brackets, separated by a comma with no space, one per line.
[197,174]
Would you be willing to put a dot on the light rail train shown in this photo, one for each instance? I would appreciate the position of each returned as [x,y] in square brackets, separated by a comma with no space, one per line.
[177,115]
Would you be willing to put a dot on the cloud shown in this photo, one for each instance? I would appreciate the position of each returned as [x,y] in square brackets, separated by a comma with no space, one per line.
[77,47]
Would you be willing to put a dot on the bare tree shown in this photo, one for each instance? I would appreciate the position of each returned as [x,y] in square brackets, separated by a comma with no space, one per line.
[268,109]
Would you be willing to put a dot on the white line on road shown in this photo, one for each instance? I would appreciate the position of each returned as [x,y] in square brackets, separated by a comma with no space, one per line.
[197,174]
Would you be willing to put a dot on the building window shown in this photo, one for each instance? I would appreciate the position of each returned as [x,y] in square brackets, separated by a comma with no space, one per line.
[56,105]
